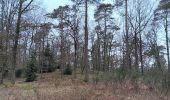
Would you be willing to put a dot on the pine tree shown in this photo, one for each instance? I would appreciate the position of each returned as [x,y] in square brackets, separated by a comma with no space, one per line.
[162,13]
[31,69]
[49,61]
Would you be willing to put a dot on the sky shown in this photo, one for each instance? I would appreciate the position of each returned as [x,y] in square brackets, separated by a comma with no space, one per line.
[49,5]
[52,4]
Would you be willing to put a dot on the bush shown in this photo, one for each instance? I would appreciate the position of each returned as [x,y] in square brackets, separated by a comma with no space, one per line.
[48,62]
[51,67]
[30,73]
[19,73]
[58,66]
[31,69]
[6,73]
[119,73]
[47,68]
[104,76]
[68,70]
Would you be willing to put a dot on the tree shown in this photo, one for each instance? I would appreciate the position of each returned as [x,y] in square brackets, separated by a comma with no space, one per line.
[162,12]
[6,18]
[156,52]
[104,12]
[127,58]
[61,13]
[103,16]
[75,28]
[86,62]
[86,43]
[48,61]
[21,10]
[3,58]
[98,47]
[139,19]
[73,22]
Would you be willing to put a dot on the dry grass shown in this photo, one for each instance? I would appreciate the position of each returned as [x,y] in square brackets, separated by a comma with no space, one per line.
[49,87]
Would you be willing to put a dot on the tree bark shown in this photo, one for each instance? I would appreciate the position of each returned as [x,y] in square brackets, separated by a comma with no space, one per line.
[105,49]
[127,58]
[141,56]
[16,38]
[86,44]
[167,48]
[136,52]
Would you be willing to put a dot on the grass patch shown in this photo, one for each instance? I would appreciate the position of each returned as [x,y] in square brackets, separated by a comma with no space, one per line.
[26,86]
[6,85]
[103,76]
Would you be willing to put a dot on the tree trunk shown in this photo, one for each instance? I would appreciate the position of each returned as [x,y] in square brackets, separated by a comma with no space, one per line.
[141,56]
[127,58]
[1,42]
[98,54]
[136,52]
[1,74]
[16,38]
[167,47]
[86,43]
[75,56]
[62,50]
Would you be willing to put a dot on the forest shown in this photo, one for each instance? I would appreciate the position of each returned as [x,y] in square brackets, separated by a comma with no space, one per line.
[85,50]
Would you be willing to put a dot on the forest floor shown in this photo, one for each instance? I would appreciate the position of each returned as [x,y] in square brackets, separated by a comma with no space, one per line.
[50,87]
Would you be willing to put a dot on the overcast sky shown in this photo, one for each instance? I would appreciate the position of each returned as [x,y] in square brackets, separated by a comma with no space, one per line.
[52,4]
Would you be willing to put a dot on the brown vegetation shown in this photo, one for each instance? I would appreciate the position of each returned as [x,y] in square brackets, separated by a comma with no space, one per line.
[50,88]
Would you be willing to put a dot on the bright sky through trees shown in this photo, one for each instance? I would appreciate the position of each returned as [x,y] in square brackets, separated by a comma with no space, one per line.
[52,4]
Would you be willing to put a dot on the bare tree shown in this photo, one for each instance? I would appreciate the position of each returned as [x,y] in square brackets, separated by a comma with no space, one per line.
[21,10]
[139,20]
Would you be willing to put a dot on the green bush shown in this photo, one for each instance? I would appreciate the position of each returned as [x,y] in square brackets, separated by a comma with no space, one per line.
[68,70]
[119,74]
[99,76]
[30,73]
[58,66]
[48,62]
[6,73]
[31,69]
[47,68]
[104,76]
[52,66]
[19,73]
[108,76]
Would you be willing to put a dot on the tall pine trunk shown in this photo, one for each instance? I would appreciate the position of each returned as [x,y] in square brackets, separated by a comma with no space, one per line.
[167,47]
[127,58]
[86,44]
